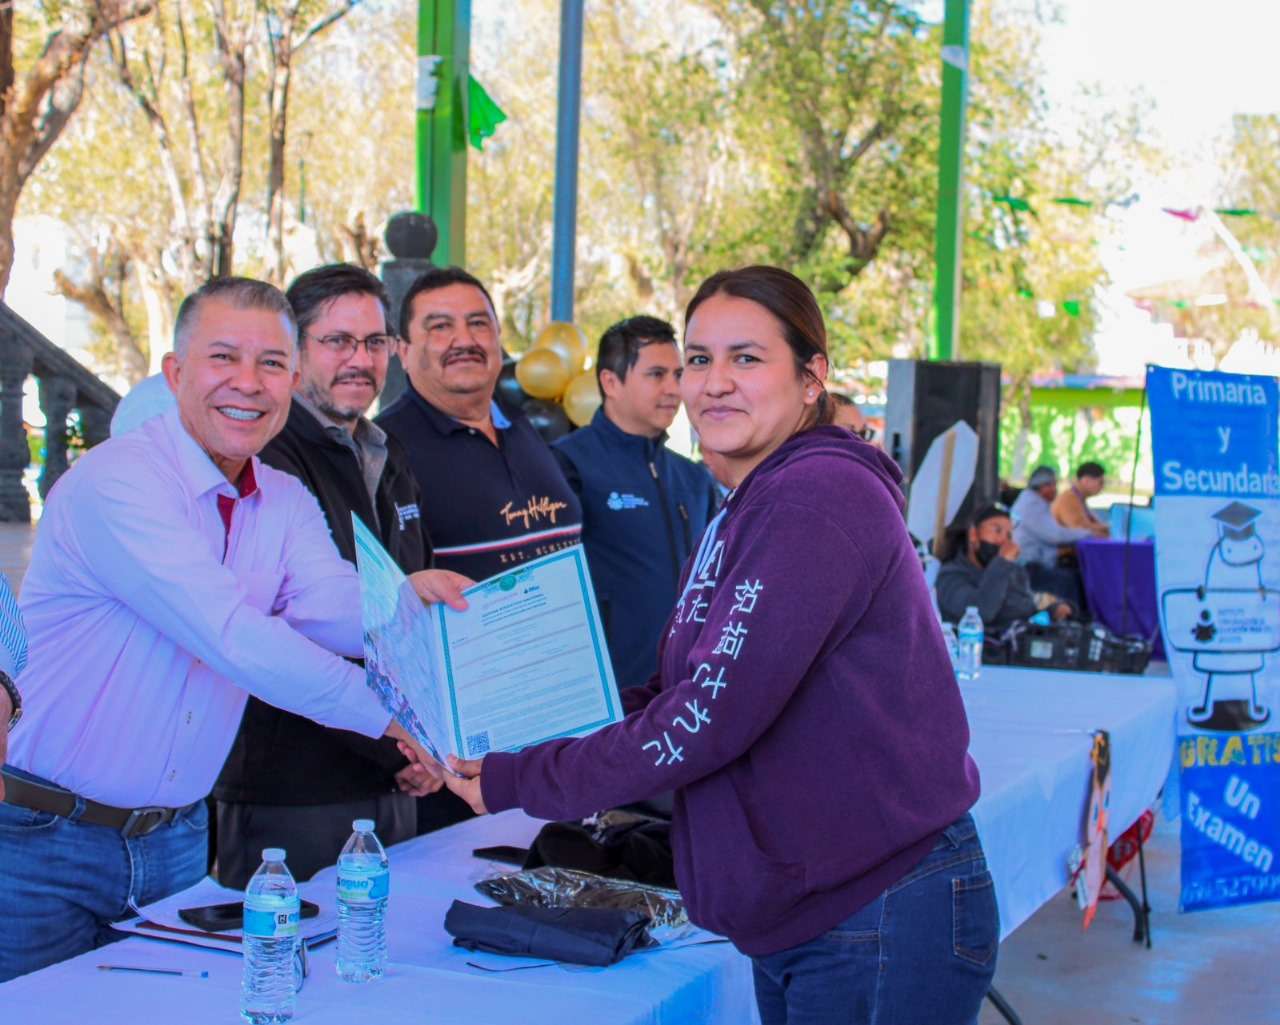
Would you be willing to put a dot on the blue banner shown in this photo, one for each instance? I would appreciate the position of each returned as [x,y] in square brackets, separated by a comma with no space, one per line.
[1215,440]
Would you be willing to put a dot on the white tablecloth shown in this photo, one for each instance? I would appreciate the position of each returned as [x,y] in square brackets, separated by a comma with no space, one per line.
[428,981]
[1031,736]
[1031,740]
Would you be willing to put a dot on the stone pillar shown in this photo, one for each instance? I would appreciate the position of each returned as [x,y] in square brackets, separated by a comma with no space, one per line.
[15,365]
[57,395]
[95,423]
[410,237]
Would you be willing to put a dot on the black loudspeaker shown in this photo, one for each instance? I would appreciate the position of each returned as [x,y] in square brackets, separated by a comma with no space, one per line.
[925,398]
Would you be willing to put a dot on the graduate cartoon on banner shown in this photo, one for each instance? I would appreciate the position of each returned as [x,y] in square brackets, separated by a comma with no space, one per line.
[1230,623]
[1216,450]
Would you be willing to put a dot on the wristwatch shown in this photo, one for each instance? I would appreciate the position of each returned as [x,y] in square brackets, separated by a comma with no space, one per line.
[15,698]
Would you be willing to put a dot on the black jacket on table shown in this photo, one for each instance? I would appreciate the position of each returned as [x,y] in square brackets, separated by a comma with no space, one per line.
[285,759]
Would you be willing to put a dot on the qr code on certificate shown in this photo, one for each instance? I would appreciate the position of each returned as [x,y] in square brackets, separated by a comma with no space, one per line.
[478,744]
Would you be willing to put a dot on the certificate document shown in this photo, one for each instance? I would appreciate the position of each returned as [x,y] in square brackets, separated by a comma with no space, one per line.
[525,662]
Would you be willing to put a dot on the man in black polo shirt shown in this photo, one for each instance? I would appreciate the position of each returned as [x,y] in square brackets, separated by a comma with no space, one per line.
[493,494]
[290,782]
[643,506]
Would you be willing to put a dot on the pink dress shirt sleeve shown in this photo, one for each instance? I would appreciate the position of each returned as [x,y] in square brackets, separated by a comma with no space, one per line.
[139,542]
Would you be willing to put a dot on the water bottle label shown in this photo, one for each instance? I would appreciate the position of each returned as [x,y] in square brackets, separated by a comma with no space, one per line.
[271,922]
[357,888]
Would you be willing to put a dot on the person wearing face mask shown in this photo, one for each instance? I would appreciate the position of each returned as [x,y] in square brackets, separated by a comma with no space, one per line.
[986,573]
[820,821]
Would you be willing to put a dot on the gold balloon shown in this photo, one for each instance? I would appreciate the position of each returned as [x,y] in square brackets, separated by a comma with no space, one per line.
[567,341]
[582,399]
[542,374]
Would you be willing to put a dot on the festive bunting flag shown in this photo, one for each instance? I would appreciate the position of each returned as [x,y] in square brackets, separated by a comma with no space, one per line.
[1072,307]
[1014,203]
[1190,216]
[483,115]
[1072,201]
[1236,211]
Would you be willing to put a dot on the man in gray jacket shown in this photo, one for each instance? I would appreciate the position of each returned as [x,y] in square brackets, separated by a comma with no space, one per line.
[986,573]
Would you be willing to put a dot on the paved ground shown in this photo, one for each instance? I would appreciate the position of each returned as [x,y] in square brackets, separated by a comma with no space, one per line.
[1208,968]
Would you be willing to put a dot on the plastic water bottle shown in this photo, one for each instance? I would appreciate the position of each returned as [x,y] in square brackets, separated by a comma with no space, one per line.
[971,635]
[953,645]
[363,885]
[271,909]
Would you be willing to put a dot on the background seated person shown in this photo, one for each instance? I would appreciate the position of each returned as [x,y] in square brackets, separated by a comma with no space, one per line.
[1042,538]
[1071,507]
[985,573]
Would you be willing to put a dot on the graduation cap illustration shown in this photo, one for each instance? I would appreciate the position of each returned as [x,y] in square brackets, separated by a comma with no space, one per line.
[1236,521]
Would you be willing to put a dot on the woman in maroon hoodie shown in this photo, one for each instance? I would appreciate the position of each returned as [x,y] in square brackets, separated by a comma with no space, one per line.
[805,712]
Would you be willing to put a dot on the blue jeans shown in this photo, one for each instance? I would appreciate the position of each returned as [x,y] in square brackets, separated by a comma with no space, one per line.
[65,881]
[922,953]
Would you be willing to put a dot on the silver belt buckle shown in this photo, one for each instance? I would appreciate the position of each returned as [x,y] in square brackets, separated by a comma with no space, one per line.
[136,824]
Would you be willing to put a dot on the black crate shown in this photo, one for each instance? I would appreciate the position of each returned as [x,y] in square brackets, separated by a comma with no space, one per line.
[1049,647]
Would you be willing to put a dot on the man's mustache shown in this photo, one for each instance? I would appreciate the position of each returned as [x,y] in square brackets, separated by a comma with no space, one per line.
[463,352]
[355,375]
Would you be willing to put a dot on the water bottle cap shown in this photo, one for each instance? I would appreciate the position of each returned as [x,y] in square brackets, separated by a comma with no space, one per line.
[970,608]
[363,825]
[273,854]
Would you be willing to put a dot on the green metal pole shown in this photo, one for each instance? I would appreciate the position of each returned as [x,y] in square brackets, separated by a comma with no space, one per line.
[444,49]
[949,238]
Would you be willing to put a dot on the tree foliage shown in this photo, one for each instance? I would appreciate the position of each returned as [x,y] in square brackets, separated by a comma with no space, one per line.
[715,133]
[40,90]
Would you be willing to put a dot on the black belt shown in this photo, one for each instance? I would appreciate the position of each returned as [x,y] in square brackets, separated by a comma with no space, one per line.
[130,822]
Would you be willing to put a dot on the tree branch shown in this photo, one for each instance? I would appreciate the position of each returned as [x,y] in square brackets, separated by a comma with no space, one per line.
[324,22]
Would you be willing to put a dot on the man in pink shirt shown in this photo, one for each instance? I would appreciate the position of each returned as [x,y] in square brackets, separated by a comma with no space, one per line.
[172,575]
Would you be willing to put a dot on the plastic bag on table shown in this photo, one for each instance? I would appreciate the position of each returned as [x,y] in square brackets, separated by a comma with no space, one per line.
[550,887]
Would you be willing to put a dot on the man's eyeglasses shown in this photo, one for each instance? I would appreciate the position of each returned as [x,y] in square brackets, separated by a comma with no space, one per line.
[866,432]
[342,344]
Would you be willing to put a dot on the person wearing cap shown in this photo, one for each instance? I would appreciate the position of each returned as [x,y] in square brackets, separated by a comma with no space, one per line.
[1036,531]
[985,573]
[173,574]
[1071,507]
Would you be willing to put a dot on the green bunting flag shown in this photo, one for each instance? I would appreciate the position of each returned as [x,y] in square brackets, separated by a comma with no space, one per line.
[1072,307]
[1072,201]
[1236,211]
[1014,203]
[483,115]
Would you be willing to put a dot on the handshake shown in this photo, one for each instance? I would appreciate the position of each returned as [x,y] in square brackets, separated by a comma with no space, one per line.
[424,775]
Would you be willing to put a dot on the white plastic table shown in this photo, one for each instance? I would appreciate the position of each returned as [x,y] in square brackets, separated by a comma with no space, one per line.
[1031,737]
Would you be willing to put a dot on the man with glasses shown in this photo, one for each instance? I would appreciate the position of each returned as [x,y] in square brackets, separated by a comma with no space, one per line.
[849,416]
[290,782]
